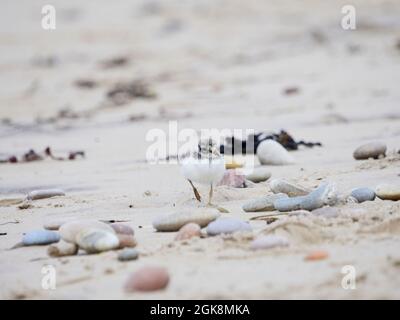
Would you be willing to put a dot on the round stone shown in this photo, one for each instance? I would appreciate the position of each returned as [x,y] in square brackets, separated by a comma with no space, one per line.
[388,192]
[363,194]
[373,150]
[128,254]
[226,226]
[270,152]
[259,174]
[188,231]
[150,278]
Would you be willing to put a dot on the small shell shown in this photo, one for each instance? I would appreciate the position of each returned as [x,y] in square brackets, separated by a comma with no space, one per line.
[96,240]
[40,237]
[62,249]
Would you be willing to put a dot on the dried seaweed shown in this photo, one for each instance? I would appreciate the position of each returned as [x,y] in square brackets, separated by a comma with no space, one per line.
[250,145]
[32,155]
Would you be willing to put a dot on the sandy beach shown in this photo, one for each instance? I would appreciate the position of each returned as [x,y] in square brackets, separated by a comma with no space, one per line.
[260,65]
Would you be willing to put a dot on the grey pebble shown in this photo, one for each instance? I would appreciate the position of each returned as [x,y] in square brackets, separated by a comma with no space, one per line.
[226,226]
[325,194]
[128,254]
[370,150]
[363,194]
[263,204]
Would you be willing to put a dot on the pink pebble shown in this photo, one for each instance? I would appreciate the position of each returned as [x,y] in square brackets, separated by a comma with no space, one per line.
[233,179]
[149,278]
[188,231]
[122,228]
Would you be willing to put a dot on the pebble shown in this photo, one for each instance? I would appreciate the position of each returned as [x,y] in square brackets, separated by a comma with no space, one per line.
[262,204]
[325,194]
[45,193]
[233,179]
[283,186]
[97,240]
[128,254]
[270,152]
[259,174]
[150,278]
[40,237]
[126,241]
[327,212]
[62,249]
[268,242]
[175,221]
[317,255]
[188,231]
[120,228]
[370,150]
[69,230]
[388,192]
[227,225]
[363,194]
[55,224]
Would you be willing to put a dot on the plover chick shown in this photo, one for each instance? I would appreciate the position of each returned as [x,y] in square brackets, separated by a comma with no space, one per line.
[204,165]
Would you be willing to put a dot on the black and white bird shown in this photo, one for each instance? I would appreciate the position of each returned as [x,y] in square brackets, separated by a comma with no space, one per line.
[205,165]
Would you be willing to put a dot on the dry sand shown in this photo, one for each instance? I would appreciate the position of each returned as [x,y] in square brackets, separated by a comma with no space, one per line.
[221,64]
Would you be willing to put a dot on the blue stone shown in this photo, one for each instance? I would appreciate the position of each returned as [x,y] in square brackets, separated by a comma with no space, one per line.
[40,237]
[363,194]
